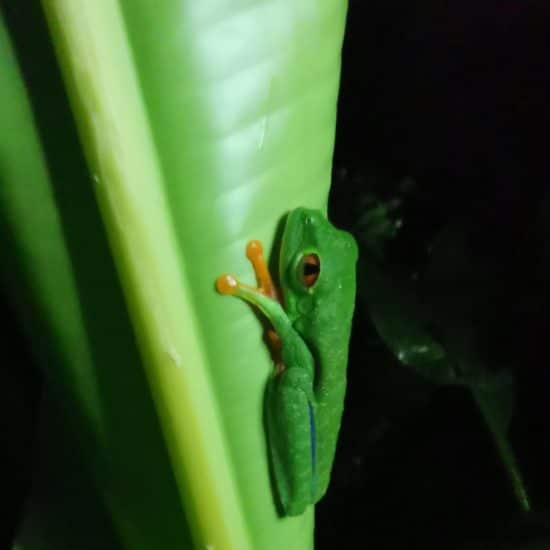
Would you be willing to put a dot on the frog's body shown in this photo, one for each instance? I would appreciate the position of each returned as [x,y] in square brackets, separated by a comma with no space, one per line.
[305,396]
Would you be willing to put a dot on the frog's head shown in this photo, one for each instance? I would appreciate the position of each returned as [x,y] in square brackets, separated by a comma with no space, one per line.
[317,273]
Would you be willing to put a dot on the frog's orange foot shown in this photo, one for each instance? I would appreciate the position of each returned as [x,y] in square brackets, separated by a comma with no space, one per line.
[254,250]
[227,284]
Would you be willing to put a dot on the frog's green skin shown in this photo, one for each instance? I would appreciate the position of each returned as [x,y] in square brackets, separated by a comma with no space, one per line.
[305,399]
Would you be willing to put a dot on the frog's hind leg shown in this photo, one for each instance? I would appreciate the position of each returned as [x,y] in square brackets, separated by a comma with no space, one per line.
[291,432]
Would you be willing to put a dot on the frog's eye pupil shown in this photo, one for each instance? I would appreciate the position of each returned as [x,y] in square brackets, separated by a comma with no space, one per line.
[309,269]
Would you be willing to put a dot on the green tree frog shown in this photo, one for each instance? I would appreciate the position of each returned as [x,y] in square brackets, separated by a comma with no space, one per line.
[311,324]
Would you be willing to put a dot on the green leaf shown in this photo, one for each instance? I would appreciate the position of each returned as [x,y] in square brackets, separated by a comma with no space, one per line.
[74,316]
[202,123]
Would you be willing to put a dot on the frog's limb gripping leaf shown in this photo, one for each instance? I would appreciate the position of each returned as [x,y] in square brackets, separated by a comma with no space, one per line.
[291,428]
[289,401]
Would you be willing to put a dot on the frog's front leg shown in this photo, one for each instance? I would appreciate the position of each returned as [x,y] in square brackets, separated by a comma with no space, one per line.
[227,284]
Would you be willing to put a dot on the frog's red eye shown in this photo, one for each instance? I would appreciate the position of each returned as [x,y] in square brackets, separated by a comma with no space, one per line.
[309,269]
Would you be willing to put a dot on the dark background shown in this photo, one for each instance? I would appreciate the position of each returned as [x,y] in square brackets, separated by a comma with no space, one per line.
[455,97]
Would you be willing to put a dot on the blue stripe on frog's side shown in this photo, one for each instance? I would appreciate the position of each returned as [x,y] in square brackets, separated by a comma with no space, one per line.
[313,445]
